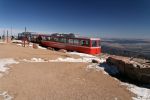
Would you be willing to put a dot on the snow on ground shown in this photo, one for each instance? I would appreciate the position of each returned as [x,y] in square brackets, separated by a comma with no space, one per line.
[5,96]
[84,58]
[3,68]
[34,60]
[67,60]
[19,44]
[82,54]
[140,92]
[56,60]
[5,62]
[87,57]
[106,69]
[16,41]
[40,47]
[30,45]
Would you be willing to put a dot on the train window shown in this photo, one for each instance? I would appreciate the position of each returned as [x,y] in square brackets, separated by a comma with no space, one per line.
[43,37]
[94,43]
[48,38]
[84,42]
[55,39]
[99,43]
[62,40]
[71,41]
[76,42]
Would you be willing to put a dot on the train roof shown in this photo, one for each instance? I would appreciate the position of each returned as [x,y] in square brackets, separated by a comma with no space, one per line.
[71,35]
[91,38]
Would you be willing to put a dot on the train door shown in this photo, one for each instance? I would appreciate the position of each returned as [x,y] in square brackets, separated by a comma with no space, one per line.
[95,44]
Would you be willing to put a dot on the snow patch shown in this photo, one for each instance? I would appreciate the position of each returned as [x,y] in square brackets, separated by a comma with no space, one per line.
[30,44]
[82,54]
[40,47]
[84,58]
[68,59]
[5,62]
[19,44]
[106,69]
[16,41]
[94,66]
[5,96]
[3,69]
[34,60]
[87,57]
[140,92]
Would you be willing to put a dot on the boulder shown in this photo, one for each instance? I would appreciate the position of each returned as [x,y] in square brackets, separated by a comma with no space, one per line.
[121,66]
[35,46]
[132,69]
[145,78]
[111,61]
[95,61]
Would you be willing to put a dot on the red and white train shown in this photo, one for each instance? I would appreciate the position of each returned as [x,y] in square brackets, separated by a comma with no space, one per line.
[69,42]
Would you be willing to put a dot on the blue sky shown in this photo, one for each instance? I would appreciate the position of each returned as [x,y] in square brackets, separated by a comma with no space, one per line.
[102,18]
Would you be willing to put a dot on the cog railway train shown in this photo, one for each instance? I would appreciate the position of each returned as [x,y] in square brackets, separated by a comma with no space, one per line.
[68,42]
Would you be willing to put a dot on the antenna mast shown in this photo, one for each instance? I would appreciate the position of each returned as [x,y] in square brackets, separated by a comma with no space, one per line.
[25,29]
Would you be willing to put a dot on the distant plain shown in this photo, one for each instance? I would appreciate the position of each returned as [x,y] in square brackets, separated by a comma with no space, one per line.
[139,48]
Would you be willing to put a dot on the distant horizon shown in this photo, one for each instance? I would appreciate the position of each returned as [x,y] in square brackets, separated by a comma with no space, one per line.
[81,34]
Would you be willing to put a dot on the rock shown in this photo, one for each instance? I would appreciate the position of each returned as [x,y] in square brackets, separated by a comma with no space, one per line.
[145,78]
[121,66]
[63,50]
[132,69]
[111,61]
[35,46]
[145,70]
[95,61]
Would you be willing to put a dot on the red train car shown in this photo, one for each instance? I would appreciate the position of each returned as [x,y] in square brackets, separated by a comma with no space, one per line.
[72,43]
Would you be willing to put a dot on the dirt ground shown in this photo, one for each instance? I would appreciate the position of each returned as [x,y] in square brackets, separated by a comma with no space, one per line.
[19,52]
[55,80]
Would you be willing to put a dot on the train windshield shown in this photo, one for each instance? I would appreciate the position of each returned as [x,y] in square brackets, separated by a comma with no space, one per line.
[95,43]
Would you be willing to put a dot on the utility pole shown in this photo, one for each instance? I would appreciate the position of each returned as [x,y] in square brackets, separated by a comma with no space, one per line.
[3,35]
[7,36]
[11,30]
